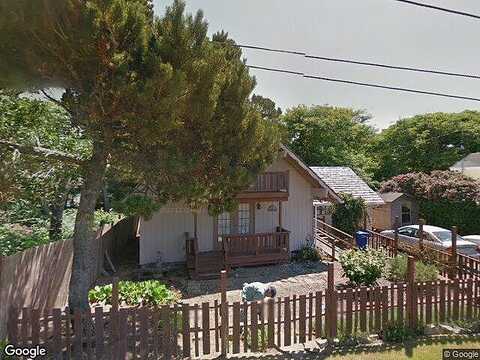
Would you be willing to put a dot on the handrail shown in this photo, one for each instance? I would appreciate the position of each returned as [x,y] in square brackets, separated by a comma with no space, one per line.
[272,181]
[324,224]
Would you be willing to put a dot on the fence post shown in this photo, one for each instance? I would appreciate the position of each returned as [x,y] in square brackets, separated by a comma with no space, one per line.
[333,248]
[421,235]
[224,314]
[331,305]
[395,240]
[411,293]
[453,257]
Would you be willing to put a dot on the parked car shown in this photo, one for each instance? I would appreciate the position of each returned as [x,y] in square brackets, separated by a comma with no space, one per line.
[437,237]
[473,238]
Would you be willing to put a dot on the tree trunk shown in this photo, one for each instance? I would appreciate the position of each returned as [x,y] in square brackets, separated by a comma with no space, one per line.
[83,231]
[57,208]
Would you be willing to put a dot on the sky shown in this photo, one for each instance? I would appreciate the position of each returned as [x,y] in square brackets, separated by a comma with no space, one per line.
[384,31]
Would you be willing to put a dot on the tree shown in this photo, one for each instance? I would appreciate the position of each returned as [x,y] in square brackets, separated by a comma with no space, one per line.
[446,198]
[40,187]
[162,105]
[428,142]
[330,136]
[266,107]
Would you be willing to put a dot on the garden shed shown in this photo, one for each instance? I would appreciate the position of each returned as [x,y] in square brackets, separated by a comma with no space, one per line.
[397,205]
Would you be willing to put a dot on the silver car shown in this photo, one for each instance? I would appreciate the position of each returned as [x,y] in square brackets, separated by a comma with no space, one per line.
[435,236]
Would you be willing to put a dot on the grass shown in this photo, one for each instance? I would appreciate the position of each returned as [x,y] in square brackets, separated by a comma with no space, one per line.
[430,349]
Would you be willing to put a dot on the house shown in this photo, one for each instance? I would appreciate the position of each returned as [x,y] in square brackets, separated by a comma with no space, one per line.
[469,166]
[342,179]
[273,218]
[399,209]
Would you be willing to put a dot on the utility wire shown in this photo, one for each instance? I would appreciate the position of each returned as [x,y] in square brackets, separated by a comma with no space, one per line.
[429,6]
[387,87]
[357,62]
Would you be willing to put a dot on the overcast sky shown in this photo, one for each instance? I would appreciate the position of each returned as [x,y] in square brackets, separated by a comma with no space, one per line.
[368,30]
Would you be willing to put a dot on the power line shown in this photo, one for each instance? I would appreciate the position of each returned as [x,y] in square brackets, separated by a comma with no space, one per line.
[429,6]
[357,62]
[350,82]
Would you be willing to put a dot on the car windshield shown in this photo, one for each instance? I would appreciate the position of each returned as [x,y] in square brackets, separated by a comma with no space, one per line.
[445,236]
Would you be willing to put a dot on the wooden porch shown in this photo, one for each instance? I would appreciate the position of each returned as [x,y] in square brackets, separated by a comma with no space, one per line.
[237,251]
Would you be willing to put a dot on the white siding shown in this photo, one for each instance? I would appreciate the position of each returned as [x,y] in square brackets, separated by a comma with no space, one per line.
[297,212]
[164,234]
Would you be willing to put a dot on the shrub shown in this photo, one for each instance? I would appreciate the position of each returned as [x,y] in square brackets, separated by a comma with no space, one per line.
[145,293]
[348,215]
[14,239]
[307,253]
[363,267]
[397,270]
[396,333]
[354,339]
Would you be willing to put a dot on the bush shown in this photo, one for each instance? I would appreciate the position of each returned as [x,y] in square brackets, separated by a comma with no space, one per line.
[307,253]
[363,267]
[357,338]
[349,215]
[397,270]
[14,238]
[396,333]
[145,293]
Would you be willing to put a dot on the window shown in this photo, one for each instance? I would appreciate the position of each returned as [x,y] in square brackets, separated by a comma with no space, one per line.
[408,231]
[224,223]
[244,218]
[406,215]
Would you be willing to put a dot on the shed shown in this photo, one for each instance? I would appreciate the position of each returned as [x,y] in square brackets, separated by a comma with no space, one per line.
[342,179]
[397,205]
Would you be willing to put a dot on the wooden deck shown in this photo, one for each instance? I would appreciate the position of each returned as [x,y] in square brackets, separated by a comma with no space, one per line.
[237,251]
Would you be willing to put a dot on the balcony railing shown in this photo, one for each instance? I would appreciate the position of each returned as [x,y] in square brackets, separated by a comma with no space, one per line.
[270,182]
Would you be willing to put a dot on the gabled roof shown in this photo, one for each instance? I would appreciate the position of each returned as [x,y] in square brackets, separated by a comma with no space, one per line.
[342,179]
[389,197]
[307,172]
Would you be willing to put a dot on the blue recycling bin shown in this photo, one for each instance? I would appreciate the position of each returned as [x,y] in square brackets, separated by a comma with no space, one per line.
[361,238]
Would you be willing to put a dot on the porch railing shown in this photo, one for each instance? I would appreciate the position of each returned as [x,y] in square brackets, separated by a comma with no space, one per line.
[256,244]
[270,182]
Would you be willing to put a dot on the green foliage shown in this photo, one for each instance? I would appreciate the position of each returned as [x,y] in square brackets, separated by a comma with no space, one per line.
[266,107]
[363,267]
[3,345]
[427,142]
[307,253]
[103,217]
[140,205]
[143,293]
[348,216]
[469,326]
[14,239]
[446,198]
[397,270]
[331,136]
[357,338]
[261,336]
[398,333]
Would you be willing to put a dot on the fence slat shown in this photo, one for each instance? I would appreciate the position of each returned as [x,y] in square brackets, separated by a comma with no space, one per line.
[99,335]
[78,329]
[122,322]
[287,326]
[271,323]
[35,321]
[206,328]
[236,328]
[186,330]
[302,319]
[363,309]
[469,313]
[400,303]
[24,329]
[318,314]
[348,312]
[310,316]
[143,330]
[384,307]
[428,303]
[456,299]
[254,326]
[57,331]
[217,327]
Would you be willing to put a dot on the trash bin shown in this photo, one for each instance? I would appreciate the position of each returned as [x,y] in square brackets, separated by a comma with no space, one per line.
[361,238]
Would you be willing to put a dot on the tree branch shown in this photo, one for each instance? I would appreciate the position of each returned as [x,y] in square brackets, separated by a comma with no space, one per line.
[55,101]
[47,154]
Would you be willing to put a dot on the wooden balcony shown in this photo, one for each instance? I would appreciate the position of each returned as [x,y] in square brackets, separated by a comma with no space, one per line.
[268,185]
[256,249]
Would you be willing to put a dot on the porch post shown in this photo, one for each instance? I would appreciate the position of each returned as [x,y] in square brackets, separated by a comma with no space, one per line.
[280,225]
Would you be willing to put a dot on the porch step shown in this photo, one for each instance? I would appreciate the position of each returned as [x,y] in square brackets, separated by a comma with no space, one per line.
[209,265]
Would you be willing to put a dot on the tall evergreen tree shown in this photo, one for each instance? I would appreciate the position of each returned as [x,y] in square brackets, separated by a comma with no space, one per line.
[162,105]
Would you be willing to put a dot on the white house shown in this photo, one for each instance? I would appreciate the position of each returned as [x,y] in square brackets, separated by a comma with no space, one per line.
[273,218]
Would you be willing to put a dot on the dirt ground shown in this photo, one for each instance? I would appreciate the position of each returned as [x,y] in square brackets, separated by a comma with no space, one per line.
[288,279]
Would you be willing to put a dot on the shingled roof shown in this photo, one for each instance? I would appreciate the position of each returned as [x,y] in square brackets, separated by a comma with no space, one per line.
[342,179]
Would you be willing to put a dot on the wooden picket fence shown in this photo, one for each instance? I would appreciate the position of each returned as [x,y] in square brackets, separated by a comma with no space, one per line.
[189,331]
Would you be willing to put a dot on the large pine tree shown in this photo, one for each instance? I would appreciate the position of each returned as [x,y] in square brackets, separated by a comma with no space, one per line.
[162,105]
